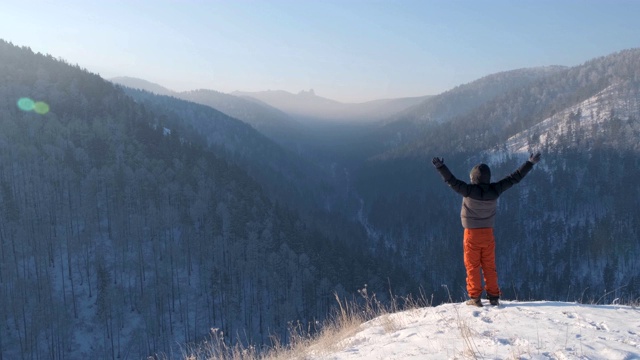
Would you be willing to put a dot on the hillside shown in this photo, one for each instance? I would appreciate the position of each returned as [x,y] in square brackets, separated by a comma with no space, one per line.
[493,121]
[615,109]
[467,97]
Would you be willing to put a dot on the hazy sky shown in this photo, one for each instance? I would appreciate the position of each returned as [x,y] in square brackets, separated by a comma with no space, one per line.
[346,50]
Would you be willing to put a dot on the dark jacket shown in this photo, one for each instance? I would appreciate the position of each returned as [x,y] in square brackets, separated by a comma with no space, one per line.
[480,198]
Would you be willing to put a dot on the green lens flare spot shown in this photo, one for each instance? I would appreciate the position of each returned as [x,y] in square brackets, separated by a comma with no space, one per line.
[41,107]
[26,104]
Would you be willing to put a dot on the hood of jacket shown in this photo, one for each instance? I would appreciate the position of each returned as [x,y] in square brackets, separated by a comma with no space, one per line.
[480,174]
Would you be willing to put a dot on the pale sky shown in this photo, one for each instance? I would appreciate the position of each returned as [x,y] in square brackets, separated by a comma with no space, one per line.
[347,50]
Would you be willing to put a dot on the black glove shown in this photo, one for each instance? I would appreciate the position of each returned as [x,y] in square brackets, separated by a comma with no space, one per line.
[438,162]
[534,158]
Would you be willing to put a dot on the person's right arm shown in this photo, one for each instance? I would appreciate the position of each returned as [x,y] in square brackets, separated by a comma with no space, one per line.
[515,177]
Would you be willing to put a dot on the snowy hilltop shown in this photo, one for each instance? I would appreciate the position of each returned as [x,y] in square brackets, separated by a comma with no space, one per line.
[515,330]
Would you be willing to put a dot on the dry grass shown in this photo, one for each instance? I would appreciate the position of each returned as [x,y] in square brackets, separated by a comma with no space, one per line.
[467,333]
[306,343]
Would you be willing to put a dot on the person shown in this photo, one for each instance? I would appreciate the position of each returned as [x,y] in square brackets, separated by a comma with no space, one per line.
[479,202]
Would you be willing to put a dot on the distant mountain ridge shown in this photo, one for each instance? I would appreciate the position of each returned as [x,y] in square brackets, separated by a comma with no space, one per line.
[303,105]
[141,84]
[268,120]
[308,105]
[302,123]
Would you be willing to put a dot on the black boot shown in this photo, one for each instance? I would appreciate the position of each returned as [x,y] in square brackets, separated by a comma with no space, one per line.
[494,299]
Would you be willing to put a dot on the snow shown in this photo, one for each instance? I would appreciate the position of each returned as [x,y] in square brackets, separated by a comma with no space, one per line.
[593,111]
[515,330]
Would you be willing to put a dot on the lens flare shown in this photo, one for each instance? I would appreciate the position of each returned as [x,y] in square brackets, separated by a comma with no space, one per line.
[41,107]
[26,104]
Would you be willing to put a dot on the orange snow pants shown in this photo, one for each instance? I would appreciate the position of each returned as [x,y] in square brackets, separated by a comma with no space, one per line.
[480,253]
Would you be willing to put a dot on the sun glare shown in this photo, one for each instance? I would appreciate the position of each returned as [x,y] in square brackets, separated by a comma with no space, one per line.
[27,104]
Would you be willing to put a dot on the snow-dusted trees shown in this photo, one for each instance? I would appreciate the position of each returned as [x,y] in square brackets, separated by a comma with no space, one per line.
[120,239]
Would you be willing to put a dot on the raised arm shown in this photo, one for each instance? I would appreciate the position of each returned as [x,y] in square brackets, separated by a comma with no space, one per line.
[516,176]
[458,186]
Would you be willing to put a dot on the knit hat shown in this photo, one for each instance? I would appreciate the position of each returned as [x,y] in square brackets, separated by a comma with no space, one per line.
[480,174]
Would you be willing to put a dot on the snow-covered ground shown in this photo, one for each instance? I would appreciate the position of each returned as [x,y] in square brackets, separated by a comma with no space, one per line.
[515,330]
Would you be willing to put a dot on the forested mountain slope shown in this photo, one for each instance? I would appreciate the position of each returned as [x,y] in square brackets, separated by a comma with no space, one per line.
[464,98]
[415,122]
[493,122]
[282,173]
[605,120]
[124,234]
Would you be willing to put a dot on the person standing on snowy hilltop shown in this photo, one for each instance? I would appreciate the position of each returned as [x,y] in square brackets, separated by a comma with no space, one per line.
[479,203]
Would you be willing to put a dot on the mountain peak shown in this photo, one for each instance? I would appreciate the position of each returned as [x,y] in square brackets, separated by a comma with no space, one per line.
[309,92]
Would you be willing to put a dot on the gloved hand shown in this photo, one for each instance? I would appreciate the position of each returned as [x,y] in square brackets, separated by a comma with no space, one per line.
[534,158]
[438,162]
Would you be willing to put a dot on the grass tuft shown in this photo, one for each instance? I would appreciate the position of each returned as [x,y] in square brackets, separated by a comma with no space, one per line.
[305,342]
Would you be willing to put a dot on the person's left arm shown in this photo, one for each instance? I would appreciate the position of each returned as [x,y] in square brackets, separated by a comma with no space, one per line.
[458,186]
